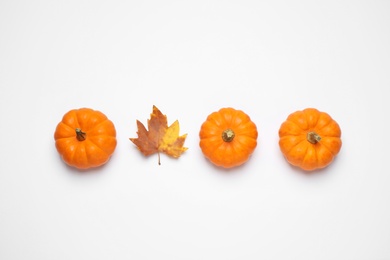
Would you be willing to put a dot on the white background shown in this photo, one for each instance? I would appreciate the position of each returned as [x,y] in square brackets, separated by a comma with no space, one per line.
[190,58]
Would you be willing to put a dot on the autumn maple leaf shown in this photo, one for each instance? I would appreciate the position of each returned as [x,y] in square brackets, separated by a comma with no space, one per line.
[159,138]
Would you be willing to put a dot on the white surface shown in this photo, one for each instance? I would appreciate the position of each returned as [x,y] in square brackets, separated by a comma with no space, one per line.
[190,58]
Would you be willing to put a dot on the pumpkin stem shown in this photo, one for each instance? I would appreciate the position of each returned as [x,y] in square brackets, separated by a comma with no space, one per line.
[80,135]
[313,137]
[228,135]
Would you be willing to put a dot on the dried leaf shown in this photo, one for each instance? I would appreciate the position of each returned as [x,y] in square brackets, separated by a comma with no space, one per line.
[159,138]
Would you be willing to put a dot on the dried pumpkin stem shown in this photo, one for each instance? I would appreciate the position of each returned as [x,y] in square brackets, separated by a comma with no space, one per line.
[313,137]
[228,135]
[80,135]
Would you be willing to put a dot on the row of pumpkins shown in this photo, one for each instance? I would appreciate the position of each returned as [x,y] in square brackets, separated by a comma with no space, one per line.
[309,138]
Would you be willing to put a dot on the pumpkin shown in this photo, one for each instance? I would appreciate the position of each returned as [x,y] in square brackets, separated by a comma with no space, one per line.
[85,138]
[228,137]
[310,139]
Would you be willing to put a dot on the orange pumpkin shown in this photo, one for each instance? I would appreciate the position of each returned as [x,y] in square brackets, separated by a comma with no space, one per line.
[310,139]
[85,138]
[228,137]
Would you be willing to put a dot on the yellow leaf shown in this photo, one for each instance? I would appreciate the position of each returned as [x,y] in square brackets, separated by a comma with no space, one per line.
[172,143]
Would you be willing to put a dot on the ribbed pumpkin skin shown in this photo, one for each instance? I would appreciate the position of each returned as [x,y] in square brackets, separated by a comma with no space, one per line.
[100,138]
[295,145]
[233,153]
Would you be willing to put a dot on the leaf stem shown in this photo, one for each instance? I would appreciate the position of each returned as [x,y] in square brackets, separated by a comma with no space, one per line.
[159,162]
